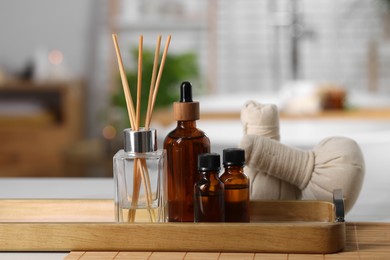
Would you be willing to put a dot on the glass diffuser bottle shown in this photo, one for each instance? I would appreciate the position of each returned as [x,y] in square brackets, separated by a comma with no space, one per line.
[183,145]
[139,176]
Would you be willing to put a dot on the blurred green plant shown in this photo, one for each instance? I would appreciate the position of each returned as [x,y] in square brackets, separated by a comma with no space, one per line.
[178,68]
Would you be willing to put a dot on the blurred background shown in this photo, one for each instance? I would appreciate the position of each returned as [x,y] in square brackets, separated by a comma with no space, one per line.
[325,63]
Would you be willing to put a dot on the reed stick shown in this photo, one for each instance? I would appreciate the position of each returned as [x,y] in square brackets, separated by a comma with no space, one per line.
[133,123]
[138,173]
[152,82]
[142,167]
[160,71]
[136,191]
[139,83]
[125,83]
[152,91]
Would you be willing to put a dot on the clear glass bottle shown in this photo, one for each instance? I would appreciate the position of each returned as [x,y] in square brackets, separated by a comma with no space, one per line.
[236,186]
[209,190]
[140,179]
[183,145]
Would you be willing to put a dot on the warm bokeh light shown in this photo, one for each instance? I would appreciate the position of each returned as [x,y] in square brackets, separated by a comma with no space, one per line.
[109,132]
[56,57]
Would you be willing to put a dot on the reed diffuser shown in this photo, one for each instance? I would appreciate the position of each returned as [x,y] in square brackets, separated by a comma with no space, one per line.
[140,168]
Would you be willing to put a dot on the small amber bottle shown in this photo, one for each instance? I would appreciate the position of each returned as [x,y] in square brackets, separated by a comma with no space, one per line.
[209,190]
[236,186]
[183,145]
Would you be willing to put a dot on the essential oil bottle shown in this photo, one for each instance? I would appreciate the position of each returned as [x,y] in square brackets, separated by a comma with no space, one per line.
[183,145]
[209,194]
[236,186]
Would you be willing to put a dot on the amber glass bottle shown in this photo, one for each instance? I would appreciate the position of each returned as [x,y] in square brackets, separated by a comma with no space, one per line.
[236,186]
[183,145]
[209,203]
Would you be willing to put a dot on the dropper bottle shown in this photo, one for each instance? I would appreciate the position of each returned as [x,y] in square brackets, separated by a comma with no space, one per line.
[183,145]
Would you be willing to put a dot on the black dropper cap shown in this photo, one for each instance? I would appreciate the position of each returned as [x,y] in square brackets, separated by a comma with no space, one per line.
[233,157]
[186,92]
[209,162]
[186,109]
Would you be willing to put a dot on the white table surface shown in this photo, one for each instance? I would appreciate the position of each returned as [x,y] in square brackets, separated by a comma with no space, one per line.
[52,188]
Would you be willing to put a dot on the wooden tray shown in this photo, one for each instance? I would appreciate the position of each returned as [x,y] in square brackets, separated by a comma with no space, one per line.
[71,225]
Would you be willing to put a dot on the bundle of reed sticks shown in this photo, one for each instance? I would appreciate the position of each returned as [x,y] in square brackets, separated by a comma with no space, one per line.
[140,170]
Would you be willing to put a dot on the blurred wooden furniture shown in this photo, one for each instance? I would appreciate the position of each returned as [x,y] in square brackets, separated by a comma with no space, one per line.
[349,114]
[38,121]
[89,158]
[164,116]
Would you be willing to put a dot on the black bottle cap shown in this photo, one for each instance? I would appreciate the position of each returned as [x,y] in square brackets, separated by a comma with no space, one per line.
[186,92]
[209,162]
[233,156]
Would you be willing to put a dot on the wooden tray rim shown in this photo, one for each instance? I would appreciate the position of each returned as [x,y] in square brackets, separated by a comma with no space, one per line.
[271,237]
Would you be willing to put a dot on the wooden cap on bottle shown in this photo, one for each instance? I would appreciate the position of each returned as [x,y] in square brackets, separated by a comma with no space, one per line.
[186,111]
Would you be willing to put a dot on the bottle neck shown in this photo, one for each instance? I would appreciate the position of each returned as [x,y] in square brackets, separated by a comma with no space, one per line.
[210,174]
[234,169]
[186,124]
